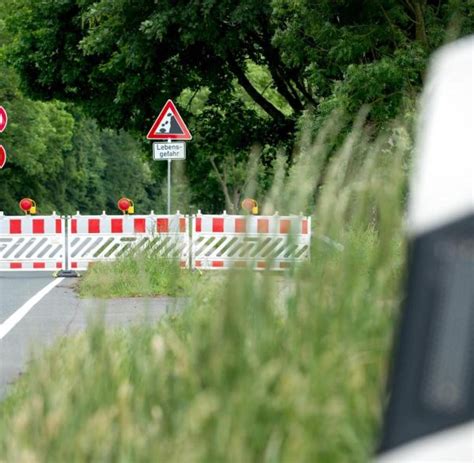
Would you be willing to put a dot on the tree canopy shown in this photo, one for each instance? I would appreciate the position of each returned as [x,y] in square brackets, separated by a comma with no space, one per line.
[242,72]
[61,158]
[123,59]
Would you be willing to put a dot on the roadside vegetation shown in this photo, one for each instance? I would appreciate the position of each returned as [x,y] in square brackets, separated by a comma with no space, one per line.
[137,276]
[256,368]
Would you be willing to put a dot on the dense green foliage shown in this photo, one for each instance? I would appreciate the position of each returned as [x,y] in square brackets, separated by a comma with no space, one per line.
[123,59]
[242,72]
[61,158]
[257,369]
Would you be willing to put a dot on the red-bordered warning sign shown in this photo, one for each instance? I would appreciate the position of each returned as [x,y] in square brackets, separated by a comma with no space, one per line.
[3,119]
[3,156]
[169,125]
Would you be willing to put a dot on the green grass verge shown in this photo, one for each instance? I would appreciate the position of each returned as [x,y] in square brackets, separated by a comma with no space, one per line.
[136,276]
[256,368]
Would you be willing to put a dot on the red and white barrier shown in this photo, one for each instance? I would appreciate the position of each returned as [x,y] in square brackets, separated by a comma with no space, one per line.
[104,238]
[128,224]
[31,243]
[213,242]
[259,242]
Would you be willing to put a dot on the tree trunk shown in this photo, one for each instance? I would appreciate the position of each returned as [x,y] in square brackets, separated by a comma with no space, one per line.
[222,178]
[420,22]
[417,8]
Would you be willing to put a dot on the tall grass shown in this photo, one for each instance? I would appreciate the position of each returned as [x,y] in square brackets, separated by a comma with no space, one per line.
[257,368]
[137,275]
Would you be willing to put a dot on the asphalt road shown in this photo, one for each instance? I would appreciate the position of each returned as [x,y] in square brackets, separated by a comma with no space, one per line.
[60,313]
[17,288]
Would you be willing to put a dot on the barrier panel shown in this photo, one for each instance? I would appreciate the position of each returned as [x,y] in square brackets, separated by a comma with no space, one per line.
[227,241]
[213,241]
[31,243]
[105,237]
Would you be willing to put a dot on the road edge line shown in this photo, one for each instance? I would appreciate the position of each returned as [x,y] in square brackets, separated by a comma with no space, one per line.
[21,312]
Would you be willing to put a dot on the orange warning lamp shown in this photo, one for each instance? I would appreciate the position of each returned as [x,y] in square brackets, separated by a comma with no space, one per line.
[126,206]
[28,206]
[250,205]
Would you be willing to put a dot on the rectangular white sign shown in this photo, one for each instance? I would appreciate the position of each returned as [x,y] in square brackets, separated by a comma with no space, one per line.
[164,151]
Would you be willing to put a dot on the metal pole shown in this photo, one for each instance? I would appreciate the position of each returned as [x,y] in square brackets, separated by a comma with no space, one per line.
[66,243]
[169,186]
[66,271]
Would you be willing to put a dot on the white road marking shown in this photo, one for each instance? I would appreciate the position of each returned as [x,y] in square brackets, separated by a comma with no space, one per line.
[16,317]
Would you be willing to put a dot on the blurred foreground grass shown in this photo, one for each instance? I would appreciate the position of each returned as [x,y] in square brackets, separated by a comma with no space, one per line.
[257,368]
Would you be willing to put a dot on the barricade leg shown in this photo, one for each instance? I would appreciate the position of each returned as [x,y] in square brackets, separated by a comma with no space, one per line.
[66,271]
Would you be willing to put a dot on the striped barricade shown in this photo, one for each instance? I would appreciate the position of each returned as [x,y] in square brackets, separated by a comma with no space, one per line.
[213,242]
[31,243]
[226,241]
[105,237]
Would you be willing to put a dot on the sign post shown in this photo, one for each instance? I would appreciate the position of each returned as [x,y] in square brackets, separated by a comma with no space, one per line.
[169,187]
[169,126]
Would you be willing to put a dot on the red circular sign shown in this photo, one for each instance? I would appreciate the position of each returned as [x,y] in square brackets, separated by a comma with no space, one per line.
[3,119]
[3,156]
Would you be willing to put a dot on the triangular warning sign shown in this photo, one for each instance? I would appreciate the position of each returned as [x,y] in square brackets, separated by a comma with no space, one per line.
[169,125]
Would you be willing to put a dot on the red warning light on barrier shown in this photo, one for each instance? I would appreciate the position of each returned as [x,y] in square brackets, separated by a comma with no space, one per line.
[28,206]
[126,205]
[250,205]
